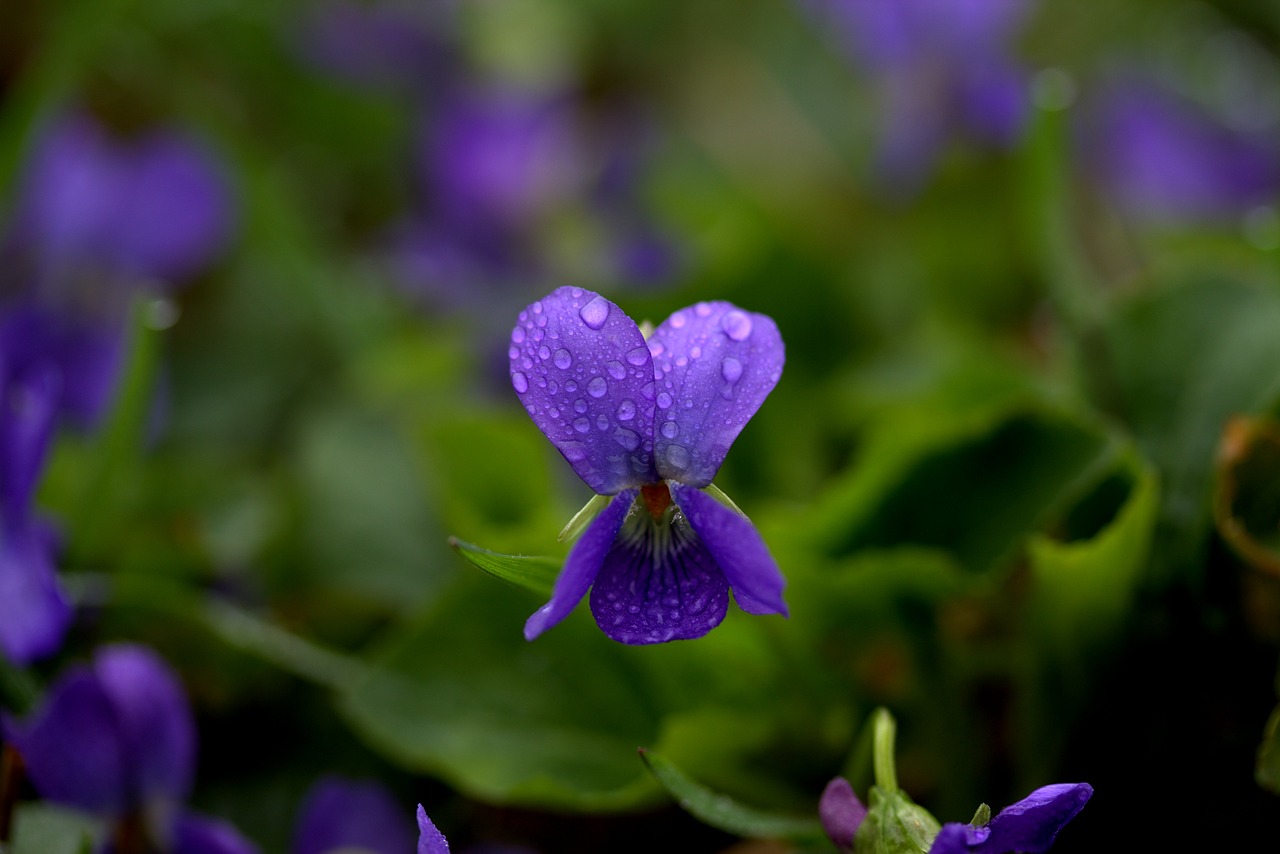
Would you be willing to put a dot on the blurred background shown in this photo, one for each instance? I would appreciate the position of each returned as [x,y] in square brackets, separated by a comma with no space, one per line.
[259,262]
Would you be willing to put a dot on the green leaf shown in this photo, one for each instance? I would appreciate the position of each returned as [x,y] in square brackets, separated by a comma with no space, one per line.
[1267,769]
[724,813]
[41,828]
[532,573]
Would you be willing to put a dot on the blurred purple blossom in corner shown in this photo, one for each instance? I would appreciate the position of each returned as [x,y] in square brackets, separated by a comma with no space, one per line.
[941,68]
[1161,156]
[117,739]
[379,45]
[96,221]
[342,814]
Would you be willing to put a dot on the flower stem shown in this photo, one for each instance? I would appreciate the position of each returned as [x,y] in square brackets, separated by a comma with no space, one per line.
[10,781]
[882,752]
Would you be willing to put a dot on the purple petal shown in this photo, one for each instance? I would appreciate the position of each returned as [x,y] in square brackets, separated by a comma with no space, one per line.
[658,583]
[156,727]
[841,812]
[340,813]
[993,101]
[430,839]
[27,408]
[72,749]
[584,375]
[714,364]
[581,566]
[737,548]
[1031,824]
[34,612]
[956,838]
[197,834]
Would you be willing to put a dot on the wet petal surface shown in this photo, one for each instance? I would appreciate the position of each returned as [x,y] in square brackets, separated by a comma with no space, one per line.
[658,583]
[714,364]
[582,370]
[580,568]
[736,546]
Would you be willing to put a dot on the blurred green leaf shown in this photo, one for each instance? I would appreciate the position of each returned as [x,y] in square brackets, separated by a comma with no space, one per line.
[41,828]
[1267,769]
[532,573]
[724,813]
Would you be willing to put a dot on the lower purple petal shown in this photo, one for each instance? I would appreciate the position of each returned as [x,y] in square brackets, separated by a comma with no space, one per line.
[1032,823]
[342,814]
[581,566]
[198,834]
[956,838]
[736,546]
[430,839]
[658,583]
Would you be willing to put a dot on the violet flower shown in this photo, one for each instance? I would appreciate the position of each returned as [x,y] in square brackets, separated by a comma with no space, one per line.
[339,814]
[117,739]
[940,67]
[647,425]
[1161,156]
[430,839]
[1027,827]
[34,612]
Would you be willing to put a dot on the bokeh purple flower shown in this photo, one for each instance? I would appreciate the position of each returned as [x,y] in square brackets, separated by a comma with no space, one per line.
[841,813]
[34,612]
[97,221]
[430,839]
[1161,156]
[1027,827]
[941,69]
[648,423]
[117,739]
[341,814]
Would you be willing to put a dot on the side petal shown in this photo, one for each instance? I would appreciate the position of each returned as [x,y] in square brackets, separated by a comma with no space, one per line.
[1032,823]
[737,547]
[714,364]
[430,839]
[585,376]
[71,746]
[34,612]
[841,813]
[658,583]
[581,566]
[27,409]
[157,729]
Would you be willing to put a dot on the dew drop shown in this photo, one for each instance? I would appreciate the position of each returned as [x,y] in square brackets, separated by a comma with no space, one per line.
[678,320]
[570,386]
[537,307]
[582,425]
[520,382]
[655,348]
[602,422]
[626,410]
[616,370]
[628,439]
[553,412]
[736,324]
[638,356]
[597,387]
[670,429]
[517,335]
[576,293]
[647,390]
[574,451]
[677,457]
[695,352]
[513,353]
[731,370]
[579,406]
[526,363]
[681,361]
[563,360]
[702,309]
[544,352]
[664,401]
[553,387]
[595,313]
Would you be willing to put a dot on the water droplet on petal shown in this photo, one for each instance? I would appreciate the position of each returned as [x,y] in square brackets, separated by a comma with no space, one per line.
[544,352]
[736,324]
[553,412]
[517,335]
[626,410]
[616,370]
[678,320]
[595,313]
[695,352]
[582,425]
[731,370]
[513,353]
[579,406]
[628,439]
[563,360]
[570,386]
[638,356]
[670,429]
[574,451]
[576,293]
[702,309]
[537,307]
[602,422]
[677,457]
[520,382]
[664,401]
[597,387]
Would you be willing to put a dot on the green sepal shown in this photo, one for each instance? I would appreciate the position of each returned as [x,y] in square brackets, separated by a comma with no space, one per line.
[724,813]
[895,825]
[530,572]
[981,816]
[584,517]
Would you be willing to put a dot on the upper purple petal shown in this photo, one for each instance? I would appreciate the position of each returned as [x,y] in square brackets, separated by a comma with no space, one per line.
[737,548]
[27,408]
[841,812]
[714,365]
[72,748]
[658,583]
[339,813]
[34,612]
[584,375]
[430,839]
[582,565]
[198,834]
[155,724]
[1032,823]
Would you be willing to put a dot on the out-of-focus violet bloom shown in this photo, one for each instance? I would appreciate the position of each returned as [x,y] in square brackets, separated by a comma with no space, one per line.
[97,221]
[430,839]
[1161,156]
[341,815]
[34,613]
[381,45]
[117,739]
[647,424]
[941,66]
[841,813]
[1027,827]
